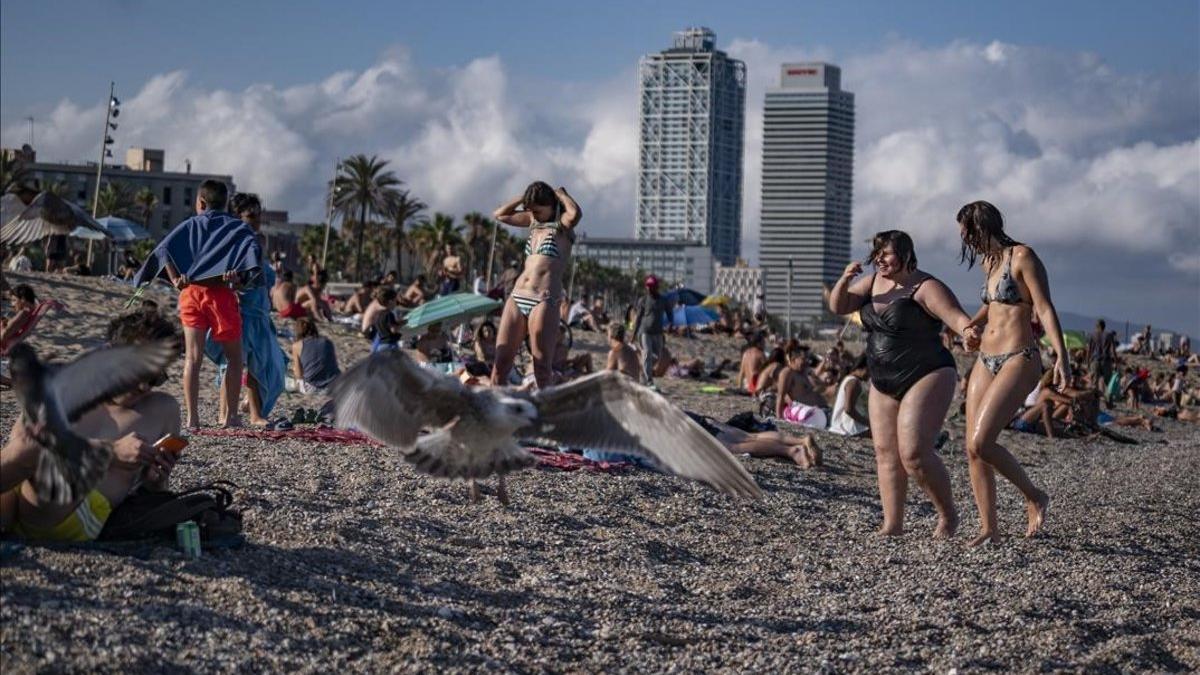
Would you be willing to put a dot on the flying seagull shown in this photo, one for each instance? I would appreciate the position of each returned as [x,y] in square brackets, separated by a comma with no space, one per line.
[52,397]
[475,432]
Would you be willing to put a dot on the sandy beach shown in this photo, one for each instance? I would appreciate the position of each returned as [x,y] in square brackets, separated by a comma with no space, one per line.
[354,562]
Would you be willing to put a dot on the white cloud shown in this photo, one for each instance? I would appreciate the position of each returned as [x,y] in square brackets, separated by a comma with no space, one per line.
[1083,160]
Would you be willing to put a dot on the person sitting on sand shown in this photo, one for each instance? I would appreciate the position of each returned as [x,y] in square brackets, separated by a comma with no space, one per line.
[283,297]
[799,449]
[24,301]
[621,357]
[849,417]
[578,314]
[385,329]
[360,298]
[383,300]
[599,314]
[414,295]
[311,297]
[20,262]
[433,346]
[484,342]
[753,360]
[132,422]
[567,367]
[314,360]
[79,267]
[796,399]
[1047,405]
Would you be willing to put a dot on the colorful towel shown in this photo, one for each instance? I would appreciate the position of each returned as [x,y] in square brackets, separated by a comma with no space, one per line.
[567,461]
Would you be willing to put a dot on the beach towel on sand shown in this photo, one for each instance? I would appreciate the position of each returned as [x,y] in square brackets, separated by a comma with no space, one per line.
[205,246]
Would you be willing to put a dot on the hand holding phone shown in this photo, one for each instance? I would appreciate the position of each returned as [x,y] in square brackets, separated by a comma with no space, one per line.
[171,443]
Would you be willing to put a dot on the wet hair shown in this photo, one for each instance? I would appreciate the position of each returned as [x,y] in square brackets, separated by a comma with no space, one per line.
[214,193]
[244,202]
[902,246]
[981,223]
[306,328]
[777,356]
[538,193]
[384,294]
[616,331]
[24,292]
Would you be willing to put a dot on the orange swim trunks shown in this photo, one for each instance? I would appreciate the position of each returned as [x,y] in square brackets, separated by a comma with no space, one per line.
[212,307]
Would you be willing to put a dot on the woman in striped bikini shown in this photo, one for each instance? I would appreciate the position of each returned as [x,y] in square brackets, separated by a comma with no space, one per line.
[1015,289]
[532,308]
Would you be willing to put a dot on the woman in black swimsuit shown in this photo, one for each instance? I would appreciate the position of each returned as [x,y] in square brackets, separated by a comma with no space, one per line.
[1010,363]
[913,377]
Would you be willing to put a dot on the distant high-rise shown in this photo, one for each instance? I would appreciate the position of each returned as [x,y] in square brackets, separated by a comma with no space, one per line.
[693,105]
[808,157]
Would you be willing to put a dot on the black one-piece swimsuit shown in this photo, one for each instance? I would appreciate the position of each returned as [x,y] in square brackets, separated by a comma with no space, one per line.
[904,344]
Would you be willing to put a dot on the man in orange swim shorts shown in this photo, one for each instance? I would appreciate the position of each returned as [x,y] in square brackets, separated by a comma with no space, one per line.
[202,257]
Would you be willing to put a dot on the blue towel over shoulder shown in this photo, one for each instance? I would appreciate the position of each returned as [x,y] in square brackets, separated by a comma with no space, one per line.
[205,246]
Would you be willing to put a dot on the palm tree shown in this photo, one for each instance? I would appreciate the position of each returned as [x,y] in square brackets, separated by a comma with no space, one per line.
[364,188]
[146,200]
[407,208]
[478,240]
[115,199]
[57,188]
[12,172]
[431,236]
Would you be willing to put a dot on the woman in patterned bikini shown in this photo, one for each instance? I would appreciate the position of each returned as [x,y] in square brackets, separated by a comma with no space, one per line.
[532,308]
[1015,289]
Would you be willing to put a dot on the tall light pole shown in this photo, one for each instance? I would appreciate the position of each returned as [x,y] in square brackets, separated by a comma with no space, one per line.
[329,212]
[30,118]
[492,252]
[110,111]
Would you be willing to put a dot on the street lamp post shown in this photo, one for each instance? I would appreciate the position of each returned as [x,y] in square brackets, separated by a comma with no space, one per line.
[329,212]
[110,111]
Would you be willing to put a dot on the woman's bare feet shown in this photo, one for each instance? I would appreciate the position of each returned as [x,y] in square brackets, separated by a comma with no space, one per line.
[891,530]
[985,538]
[1036,511]
[946,527]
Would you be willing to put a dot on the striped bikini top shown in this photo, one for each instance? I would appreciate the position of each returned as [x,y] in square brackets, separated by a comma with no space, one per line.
[548,245]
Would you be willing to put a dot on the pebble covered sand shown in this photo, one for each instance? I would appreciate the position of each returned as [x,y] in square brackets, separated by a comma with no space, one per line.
[355,562]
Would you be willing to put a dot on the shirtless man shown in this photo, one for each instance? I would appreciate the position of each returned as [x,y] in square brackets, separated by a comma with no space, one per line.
[794,383]
[621,356]
[453,267]
[283,297]
[311,299]
[414,295]
[753,360]
[132,422]
[433,347]
[383,300]
[358,301]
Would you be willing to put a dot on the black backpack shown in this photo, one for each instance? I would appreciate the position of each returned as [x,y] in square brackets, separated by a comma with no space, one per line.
[155,514]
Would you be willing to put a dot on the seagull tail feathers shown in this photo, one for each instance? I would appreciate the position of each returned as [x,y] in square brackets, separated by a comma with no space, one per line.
[71,470]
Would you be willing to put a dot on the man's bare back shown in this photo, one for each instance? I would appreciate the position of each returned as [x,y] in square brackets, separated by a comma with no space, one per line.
[625,360]
[753,361]
[283,295]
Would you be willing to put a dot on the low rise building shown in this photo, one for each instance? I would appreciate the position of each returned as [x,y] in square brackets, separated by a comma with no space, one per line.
[740,282]
[674,262]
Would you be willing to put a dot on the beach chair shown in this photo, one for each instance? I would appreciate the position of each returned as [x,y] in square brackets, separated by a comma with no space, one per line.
[38,312]
[13,340]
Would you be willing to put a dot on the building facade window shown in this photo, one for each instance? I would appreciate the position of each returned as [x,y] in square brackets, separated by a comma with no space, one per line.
[166,198]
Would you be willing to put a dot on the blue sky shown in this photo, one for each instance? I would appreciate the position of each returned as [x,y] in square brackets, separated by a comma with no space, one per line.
[1081,120]
[233,44]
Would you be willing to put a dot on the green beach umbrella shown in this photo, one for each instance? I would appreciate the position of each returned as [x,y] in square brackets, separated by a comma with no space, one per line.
[450,309]
[1072,339]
